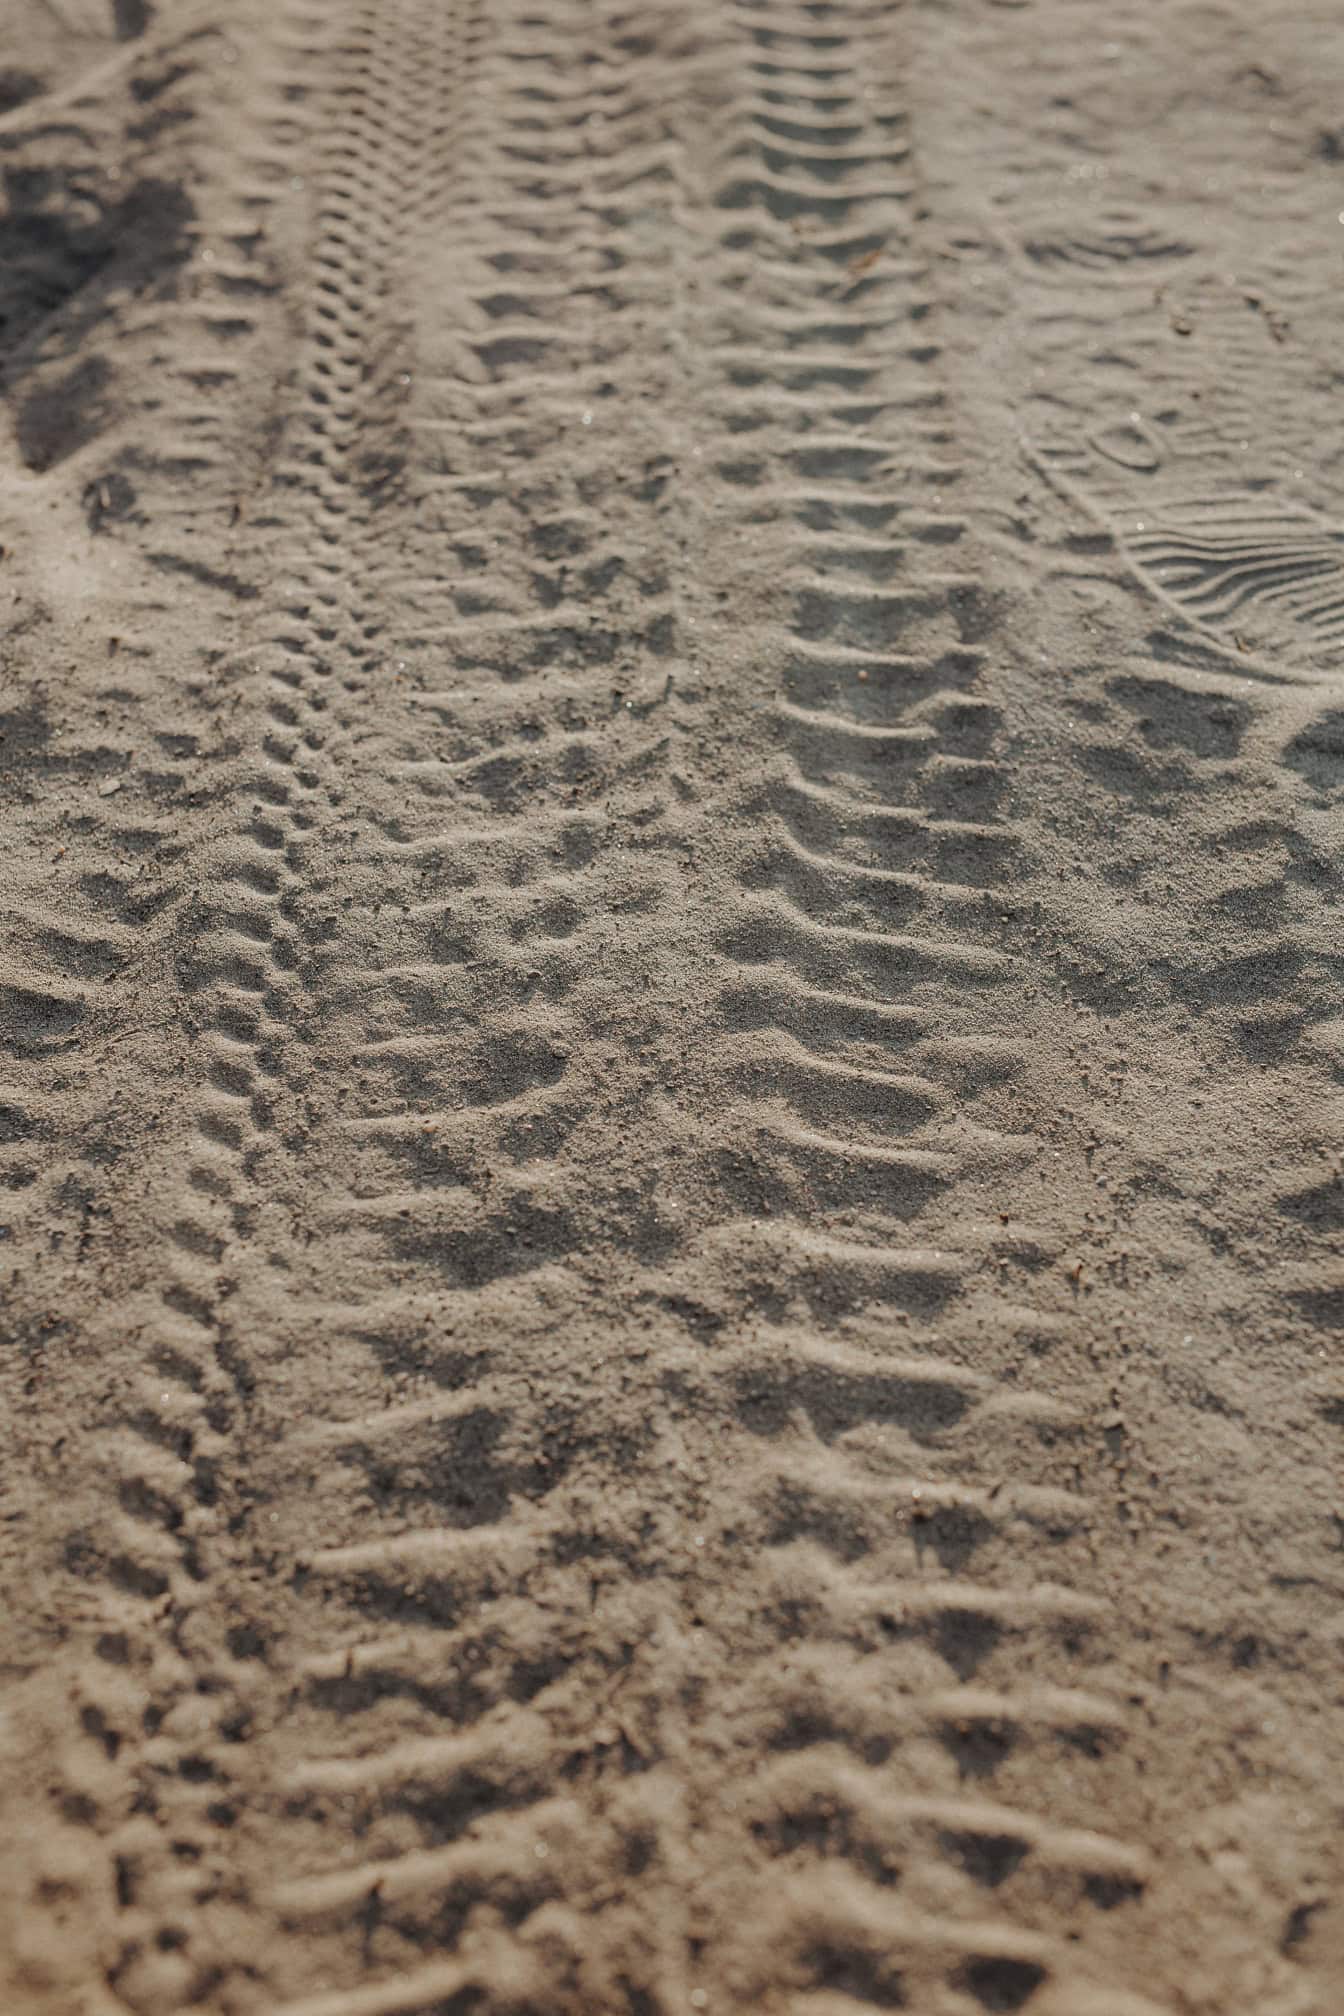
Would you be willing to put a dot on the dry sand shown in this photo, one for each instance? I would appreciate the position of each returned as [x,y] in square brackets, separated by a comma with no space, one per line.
[672,688]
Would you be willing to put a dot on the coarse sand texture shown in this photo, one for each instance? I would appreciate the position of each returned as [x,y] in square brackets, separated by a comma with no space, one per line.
[671,1007]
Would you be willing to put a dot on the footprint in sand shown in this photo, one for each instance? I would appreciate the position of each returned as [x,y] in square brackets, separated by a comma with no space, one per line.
[1253,571]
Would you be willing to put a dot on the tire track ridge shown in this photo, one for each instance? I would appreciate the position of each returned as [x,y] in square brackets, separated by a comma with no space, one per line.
[164,1698]
[572,125]
[885,718]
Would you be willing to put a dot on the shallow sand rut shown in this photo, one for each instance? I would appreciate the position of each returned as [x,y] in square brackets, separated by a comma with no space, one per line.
[670,1014]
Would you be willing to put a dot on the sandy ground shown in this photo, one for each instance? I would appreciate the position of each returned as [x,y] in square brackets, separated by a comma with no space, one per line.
[672,1007]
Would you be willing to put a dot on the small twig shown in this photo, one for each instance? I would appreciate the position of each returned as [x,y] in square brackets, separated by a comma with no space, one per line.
[144,1029]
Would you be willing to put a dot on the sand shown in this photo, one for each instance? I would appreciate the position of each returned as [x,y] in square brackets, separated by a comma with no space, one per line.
[672,691]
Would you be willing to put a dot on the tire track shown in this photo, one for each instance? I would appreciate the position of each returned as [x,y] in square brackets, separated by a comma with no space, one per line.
[153,291]
[247,968]
[865,967]
[536,674]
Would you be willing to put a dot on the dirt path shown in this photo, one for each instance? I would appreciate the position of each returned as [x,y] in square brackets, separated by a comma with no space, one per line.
[670,1014]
